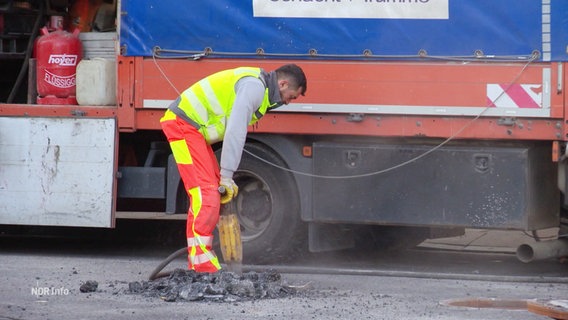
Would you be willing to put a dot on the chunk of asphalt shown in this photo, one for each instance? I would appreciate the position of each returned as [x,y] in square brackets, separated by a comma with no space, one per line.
[89,286]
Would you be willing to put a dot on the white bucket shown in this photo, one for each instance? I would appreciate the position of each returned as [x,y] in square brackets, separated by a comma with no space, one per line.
[96,82]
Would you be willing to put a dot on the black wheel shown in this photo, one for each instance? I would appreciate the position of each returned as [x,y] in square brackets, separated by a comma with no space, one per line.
[268,208]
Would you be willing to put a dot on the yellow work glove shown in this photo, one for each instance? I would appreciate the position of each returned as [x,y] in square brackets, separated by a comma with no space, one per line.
[229,190]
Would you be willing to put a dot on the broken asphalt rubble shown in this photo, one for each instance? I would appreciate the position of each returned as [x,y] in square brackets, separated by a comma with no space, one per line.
[222,286]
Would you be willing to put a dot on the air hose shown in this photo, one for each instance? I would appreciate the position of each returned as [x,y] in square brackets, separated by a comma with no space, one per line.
[157,274]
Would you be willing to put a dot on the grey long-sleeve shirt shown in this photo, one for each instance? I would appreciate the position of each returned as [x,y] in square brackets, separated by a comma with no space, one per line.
[249,95]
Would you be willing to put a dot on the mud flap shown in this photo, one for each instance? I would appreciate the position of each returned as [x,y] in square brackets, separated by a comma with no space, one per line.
[328,237]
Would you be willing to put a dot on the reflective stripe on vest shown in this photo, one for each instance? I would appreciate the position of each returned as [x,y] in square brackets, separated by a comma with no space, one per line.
[209,102]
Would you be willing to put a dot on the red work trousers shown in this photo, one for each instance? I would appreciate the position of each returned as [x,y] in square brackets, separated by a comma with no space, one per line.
[199,171]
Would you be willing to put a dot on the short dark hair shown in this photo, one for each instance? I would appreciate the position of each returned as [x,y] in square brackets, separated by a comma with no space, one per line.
[294,73]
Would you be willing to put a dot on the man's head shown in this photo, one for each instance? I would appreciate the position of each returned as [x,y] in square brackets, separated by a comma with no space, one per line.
[291,82]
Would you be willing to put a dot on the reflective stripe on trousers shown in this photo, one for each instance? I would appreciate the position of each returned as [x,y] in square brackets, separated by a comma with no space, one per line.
[199,172]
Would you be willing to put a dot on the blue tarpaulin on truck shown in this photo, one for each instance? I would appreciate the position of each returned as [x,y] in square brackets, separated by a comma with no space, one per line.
[348,29]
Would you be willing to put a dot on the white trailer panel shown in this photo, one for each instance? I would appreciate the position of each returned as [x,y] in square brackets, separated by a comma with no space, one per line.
[57,171]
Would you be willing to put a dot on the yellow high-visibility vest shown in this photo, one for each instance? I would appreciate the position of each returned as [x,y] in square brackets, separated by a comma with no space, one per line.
[209,102]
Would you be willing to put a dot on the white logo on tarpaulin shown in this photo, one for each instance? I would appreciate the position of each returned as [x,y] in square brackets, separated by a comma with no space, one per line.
[64,60]
[363,9]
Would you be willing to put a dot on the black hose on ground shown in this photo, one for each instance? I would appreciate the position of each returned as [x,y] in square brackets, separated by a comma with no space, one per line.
[157,274]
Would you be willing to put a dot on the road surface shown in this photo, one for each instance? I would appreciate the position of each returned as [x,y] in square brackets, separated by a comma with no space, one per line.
[41,279]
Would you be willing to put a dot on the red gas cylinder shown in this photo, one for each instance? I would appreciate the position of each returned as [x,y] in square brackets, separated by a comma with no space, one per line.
[57,54]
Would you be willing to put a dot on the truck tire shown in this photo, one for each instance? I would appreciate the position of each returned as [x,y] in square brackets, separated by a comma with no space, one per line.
[268,208]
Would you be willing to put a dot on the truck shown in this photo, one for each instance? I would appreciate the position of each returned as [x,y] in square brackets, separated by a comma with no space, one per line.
[421,118]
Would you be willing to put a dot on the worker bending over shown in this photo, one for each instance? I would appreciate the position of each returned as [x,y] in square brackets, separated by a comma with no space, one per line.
[219,108]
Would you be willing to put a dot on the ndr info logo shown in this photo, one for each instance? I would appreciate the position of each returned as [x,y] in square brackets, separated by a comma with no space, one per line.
[49,291]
